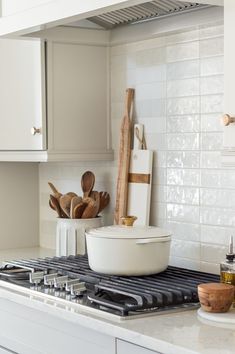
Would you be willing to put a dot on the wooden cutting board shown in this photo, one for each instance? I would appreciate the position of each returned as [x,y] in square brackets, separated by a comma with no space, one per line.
[140,178]
[124,160]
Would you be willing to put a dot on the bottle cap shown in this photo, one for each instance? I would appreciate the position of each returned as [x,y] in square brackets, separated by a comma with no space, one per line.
[230,255]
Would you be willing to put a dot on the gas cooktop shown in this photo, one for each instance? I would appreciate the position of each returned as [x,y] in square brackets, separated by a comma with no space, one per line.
[70,280]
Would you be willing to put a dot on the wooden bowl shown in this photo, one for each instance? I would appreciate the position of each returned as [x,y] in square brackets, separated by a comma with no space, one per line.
[216,297]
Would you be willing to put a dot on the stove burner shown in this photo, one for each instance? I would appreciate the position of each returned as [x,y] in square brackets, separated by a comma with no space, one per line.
[71,279]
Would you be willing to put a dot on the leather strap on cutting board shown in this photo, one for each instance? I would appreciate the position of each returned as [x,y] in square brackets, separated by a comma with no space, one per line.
[124,159]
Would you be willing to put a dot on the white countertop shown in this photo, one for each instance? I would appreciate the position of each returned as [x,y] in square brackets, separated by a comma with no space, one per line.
[25,253]
[178,333]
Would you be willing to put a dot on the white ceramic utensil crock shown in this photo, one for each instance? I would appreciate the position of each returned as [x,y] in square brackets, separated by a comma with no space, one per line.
[70,235]
[127,250]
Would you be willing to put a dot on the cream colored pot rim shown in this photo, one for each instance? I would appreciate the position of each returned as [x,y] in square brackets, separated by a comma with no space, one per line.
[128,232]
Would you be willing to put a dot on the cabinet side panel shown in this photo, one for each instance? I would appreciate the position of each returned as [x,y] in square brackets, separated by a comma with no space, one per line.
[78,85]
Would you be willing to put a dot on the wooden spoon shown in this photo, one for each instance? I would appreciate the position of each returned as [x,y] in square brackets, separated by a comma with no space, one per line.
[79,209]
[56,193]
[72,194]
[74,202]
[91,210]
[65,202]
[87,183]
[104,200]
[54,204]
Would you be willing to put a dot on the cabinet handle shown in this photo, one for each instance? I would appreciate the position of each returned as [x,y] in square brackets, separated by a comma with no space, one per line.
[227,119]
[35,131]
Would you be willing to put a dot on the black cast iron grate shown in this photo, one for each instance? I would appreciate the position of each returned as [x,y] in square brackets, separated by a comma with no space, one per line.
[173,287]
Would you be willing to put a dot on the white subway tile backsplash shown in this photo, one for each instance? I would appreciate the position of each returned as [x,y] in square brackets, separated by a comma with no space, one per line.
[182,51]
[184,195]
[183,177]
[218,197]
[178,82]
[212,84]
[183,124]
[183,69]
[184,159]
[185,87]
[211,141]
[212,103]
[186,141]
[218,178]
[190,250]
[183,231]
[211,47]
[212,66]
[184,213]
[211,122]
[216,235]
[217,216]
[210,159]
[183,105]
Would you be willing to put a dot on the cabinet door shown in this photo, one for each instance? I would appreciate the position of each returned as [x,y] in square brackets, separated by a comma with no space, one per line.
[229,71]
[22,94]
[77,98]
[129,348]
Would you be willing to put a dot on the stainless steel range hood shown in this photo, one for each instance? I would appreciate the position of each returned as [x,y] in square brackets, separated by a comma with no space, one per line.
[144,12]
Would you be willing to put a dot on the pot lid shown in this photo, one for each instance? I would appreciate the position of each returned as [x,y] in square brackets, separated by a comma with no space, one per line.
[121,231]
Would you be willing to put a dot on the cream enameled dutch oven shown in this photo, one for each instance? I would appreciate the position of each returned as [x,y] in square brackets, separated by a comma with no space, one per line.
[128,250]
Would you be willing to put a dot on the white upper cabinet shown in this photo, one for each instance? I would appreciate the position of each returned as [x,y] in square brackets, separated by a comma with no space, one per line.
[54,97]
[228,155]
[22,94]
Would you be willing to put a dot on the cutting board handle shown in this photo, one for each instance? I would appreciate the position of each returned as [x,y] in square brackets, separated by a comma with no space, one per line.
[129,101]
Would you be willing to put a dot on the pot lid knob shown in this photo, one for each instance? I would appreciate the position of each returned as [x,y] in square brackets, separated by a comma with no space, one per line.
[128,220]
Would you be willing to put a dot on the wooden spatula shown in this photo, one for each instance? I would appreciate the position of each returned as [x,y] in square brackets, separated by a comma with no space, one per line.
[65,202]
[74,202]
[124,160]
[56,193]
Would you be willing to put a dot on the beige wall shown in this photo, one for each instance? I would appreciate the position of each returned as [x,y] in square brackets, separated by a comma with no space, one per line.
[19,226]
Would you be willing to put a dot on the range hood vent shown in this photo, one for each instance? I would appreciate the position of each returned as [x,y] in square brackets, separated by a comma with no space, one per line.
[144,12]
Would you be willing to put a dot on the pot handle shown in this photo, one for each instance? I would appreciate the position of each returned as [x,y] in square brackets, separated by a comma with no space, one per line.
[144,241]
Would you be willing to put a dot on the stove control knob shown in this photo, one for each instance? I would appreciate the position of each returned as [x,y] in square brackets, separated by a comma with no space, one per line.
[60,282]
[36,277]
[77,289]
[70,283]
[49,279]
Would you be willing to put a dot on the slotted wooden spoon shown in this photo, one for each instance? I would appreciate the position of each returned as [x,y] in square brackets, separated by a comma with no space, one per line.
[104,200]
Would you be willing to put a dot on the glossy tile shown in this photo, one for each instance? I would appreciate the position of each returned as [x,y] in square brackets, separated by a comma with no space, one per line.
[216,235]
[185,87]
[184,213]
[218,178]
[211,122]
[217,197]
[187,141]
[190,250]
[212,104]
[183,105]
[183,177]
[211,47]
[212,85]
[182,51]
[212,66]
[211,159]
[183,123]
[212,141]
[217,216]
[183,69]
[184,159]
[183,195]
[184,231]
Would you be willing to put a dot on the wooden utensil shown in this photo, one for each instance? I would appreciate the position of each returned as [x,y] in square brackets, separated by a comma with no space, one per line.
[124,160]
[96,196]
[72,194]
[56,193]
[104,200]
[79,209]
[87,183]
[55,205]
[74,202]
[140,178]
[65,202]
[91,210]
